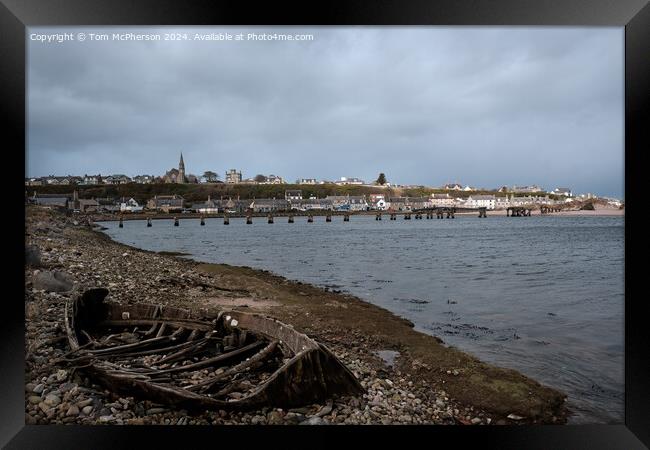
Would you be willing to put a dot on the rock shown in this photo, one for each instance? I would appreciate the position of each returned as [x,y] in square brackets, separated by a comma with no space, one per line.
[455,372]
[52,281]
[314,420]
[515,417]
[72,411]
[61,375]
[325,410]
[34,399]
[87,410]
[476,421]
[274,418]
[33,256]
[52,400]
[84,403]
[38,389]
[152,411]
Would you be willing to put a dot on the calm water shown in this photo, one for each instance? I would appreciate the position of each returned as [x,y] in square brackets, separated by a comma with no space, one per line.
[543,295]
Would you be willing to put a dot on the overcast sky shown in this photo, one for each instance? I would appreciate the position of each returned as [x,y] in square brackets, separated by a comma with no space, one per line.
[425,105]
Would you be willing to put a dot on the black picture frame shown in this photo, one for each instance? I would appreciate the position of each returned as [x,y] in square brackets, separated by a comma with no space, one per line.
[634,15]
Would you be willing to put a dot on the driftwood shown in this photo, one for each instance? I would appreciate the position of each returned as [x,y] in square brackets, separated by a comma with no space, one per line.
[181,356]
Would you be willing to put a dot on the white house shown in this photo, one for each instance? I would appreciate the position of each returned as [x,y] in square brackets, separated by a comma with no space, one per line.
[502,202]
[442,200]
[481,201]
[562,191]
[130,206]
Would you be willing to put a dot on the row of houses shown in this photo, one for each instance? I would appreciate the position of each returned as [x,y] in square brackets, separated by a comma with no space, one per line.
[293,201]
[88,180]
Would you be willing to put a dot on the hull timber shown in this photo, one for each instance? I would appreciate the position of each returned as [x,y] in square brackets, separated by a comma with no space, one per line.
[274,364]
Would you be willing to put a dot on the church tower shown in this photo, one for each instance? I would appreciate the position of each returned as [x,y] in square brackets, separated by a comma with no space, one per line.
[181,171]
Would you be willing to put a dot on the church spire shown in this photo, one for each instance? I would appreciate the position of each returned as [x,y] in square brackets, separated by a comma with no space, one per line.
[181,171]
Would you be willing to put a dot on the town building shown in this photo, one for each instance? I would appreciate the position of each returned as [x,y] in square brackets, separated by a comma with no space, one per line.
[349,180]
[52,200]
[166,203]
[452,187]
[313,204]
[232,176]
[306,181]
[208,207]
[526,189]
[92,179]
[397,203]
[117,179]
[442,200]
[266,205]
[144,179]
[358,203]
[481,201]
[562,191]
[293,196]
[130,205]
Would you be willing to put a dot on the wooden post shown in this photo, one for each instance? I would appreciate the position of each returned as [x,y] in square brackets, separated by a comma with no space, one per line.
[202,221]
[310,218]
[121,225]
[328,217]
[148,221]
[249,220]
[175,221]
[270,218]
[290,218]
[226,219]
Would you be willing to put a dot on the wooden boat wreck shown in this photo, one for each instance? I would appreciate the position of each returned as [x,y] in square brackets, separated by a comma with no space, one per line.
[231,360]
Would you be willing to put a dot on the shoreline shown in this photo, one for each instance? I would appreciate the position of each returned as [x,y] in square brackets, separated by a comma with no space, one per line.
[427,382]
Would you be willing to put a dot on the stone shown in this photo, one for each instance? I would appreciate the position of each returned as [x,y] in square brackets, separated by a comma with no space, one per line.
[476,421]
[314,420]
[152,411]
[52,281]
[72,411]
[52,400]
[34,399]
[515,417]
[87,410]
[38,389]
[61,375]
[33,256]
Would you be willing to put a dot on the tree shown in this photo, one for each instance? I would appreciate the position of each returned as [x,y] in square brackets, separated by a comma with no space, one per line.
[210,176]
[260,178]
[381,180]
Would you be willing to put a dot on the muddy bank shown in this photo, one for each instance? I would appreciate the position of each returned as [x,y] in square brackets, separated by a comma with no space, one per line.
[426,382]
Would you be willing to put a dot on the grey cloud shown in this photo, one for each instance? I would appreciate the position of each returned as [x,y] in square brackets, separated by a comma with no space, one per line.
[425,105]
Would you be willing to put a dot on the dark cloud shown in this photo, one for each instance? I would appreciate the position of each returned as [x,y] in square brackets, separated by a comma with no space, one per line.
[425,105]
